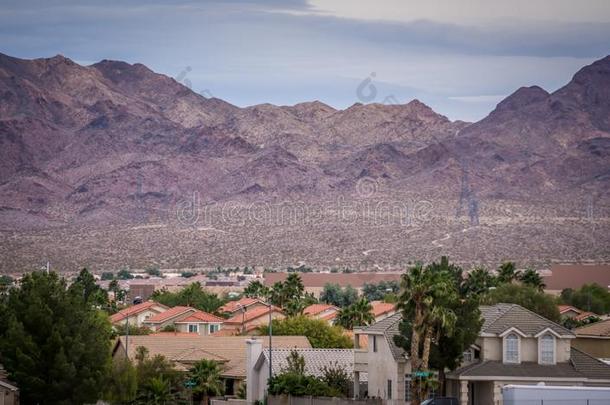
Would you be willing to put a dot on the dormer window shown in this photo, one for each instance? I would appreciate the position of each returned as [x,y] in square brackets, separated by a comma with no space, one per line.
[547,349]
[511,348]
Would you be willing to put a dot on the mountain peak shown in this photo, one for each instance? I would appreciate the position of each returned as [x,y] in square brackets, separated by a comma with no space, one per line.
[522,97]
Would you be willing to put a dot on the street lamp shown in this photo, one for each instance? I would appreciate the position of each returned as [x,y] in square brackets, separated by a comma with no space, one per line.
[270,343]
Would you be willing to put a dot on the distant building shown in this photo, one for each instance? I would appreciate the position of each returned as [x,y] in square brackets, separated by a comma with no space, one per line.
[185,319]
[382,310]
[314,282]
[568,311]
[248,321]
[137,314]
[324,312]
[562,276]
[244,303]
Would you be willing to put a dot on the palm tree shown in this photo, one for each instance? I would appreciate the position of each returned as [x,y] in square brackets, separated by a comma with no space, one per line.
[358,314]
[157,391]
[206,376]
[256,289]
[533,279]
[479,281]
[293,286]
[427,293]
[507,273]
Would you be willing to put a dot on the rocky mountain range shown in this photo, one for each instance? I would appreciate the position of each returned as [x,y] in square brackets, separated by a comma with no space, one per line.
[114,165]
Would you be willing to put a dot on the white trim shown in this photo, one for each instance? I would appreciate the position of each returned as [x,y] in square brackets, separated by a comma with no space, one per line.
[188,327]
[504,338]
[510,378]
[8,386]
[512,329]
[542,332]
[554,361]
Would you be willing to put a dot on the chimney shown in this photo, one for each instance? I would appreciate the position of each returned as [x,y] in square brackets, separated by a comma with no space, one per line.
[254,349]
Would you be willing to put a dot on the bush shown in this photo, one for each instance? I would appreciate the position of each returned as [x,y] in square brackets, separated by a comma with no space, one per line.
[319,333]
[300,385]
[107,275]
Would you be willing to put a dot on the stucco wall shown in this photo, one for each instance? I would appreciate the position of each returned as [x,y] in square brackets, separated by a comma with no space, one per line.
[595,347]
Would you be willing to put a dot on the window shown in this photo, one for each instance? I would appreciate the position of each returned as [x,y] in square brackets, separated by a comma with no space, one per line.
[547,349]
[408,387]
[214,328]
[193,328]
[468,356]
[374,343]
[389,389]
[511,348]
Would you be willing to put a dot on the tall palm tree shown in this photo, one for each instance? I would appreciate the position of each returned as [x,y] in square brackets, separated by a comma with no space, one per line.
[507,273]
[206,376]
[425,300]
[533,279]
[358,314]
[479,281]
[256,289]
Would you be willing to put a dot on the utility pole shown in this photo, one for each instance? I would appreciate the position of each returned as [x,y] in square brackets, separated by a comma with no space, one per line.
[270,343]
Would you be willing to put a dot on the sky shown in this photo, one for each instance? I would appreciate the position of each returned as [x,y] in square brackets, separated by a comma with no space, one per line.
[459,57]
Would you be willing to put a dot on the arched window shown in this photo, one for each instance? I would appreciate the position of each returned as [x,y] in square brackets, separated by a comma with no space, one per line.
[547,349]
[511,348]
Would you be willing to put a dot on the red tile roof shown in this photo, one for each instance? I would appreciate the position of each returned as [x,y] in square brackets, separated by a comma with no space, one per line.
[169,314]
[134,310]
[565,308]
[244,302]
[201,317]
[380,308]
[250,314]
[316,309]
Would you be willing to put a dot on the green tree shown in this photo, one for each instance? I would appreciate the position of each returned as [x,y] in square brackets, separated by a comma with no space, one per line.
[256,289]
[531,278]
[333,294]
[507,273]
[319,333]
[122,384]
[208,382]
[53,343]
[336,377]
[357,314]
[192,295]
[376,292]
[590,297]
[5,283]
[124,274]
[107,275]
[154,271]
[150,370]
[90,292]
[526,296]
[156,391]
[295,363]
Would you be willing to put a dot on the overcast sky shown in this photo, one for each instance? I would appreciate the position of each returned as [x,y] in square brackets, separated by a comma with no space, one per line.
[459,57]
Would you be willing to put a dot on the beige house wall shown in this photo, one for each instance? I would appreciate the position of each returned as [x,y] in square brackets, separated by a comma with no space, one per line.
[599,348]
[204,328]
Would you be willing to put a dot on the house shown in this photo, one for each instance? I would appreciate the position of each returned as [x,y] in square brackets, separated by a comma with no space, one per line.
[241,304]
[562,276]
[248,321]
[184,350]
[185,319]
[257,364]
[568,311]
[314,282]
[382,310]
[594,339]
[9,393]
[137,314]
[325,312]
[515,346]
